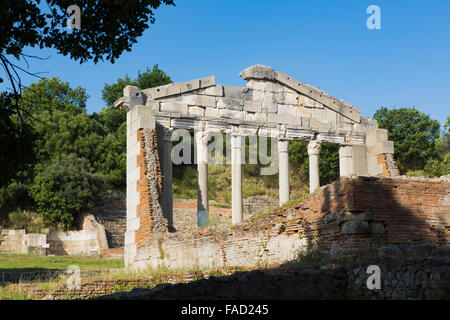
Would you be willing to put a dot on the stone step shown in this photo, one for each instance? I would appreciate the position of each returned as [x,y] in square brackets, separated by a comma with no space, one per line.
[114,221]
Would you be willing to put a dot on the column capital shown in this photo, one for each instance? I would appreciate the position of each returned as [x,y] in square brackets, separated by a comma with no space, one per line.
[283,145]
[314,147]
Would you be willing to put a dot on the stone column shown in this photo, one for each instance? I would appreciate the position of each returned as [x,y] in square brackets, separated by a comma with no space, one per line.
[166,171]
[345,161]
[236,179]
[201,140]
[283,175]
[313,152]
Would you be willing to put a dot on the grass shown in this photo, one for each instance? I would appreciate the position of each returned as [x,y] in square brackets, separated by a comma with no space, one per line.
[26,290]
[27,262]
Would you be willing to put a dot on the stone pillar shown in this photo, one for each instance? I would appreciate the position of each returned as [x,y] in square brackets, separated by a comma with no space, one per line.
[345,160]
[166,171]
[313,152]
[201,140]
[236,179]
[283,175]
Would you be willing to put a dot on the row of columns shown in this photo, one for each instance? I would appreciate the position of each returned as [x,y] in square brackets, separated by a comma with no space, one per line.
[236,174]
[201,140]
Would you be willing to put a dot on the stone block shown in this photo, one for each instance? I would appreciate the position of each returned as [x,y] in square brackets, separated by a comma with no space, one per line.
[184,98]
[196,111]
[233,92]
[205,101]
[174,107]
[207,82]
[377,228]
[318,114]
[232,114]
[163,91]
[291,98]
[260,117]
[359,155]
[314,123]
[259,84]
[288,110]
[216,90]
[211,113]
[153,104]
[258,72]
[190,85]
[283,118]
[306,101]
[306,122]
[269,107]
[229,103]
[355,227]
[252,106]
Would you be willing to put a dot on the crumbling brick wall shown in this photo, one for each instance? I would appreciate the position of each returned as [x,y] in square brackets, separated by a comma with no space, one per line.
[149,186]
[388,164]
[350,213]
[367,211]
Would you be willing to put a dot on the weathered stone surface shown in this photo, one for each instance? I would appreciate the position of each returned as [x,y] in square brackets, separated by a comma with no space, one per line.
[377,228]
[401,278]
[355,227]
[258,72]
[252,106]
[230,103]
[174,107]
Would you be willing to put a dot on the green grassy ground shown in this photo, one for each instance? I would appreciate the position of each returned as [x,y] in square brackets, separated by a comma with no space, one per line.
[28,262]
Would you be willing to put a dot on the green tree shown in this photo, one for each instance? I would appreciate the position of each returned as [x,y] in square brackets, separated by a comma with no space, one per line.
[328,161]
[16,141]
[63,188]
[148,79]
[52,94]
[61,133]
[415,136]
[109,27]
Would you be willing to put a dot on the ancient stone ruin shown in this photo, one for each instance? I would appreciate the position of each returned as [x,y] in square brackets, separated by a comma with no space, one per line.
[272,105]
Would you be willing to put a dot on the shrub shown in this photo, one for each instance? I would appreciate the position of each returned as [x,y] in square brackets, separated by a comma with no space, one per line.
[23,219]
[437,168]
[64,188]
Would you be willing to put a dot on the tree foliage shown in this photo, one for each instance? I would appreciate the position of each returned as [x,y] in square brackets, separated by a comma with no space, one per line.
[148,79]
[415,136]
[108,27]
[63,188]
[52,94]
[328,161]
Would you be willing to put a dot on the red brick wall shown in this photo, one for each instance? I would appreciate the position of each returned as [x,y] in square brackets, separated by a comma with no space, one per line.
[145,209]
[410,210]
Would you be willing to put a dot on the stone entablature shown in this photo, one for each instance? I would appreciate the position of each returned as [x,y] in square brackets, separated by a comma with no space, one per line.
[272,104]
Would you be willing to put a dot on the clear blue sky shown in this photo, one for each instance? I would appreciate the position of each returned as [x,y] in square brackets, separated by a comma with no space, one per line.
[319,42]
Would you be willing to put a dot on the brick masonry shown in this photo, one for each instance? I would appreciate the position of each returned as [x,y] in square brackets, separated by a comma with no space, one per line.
[350,213]
[401,278]
[149,187]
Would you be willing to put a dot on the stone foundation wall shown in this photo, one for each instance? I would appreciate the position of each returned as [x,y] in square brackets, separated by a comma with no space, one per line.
[401,278]
[350,213]
[259,203]
[18,241]
[91,240]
